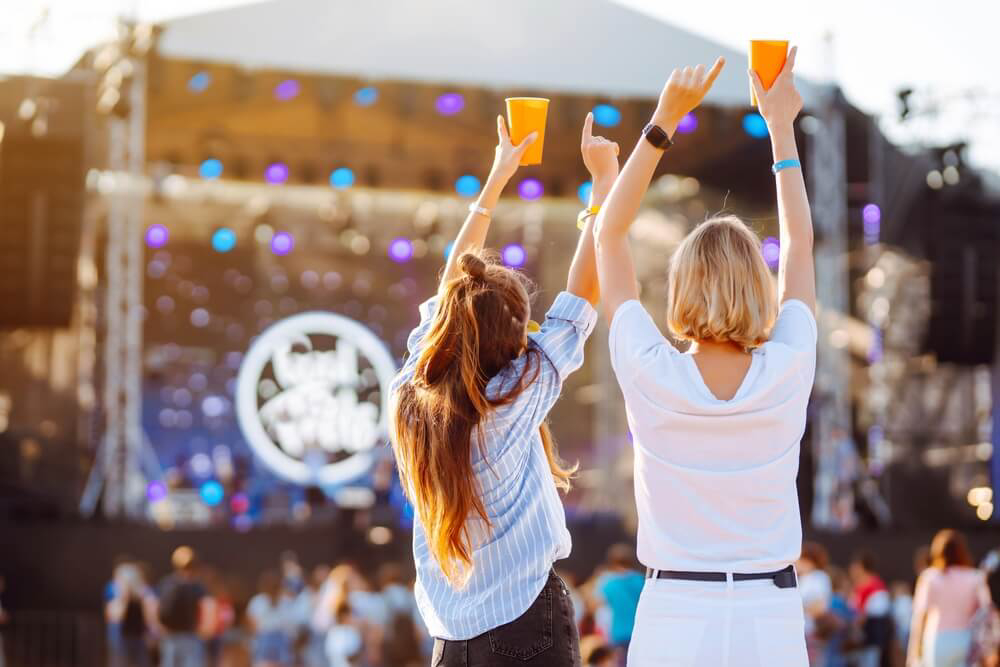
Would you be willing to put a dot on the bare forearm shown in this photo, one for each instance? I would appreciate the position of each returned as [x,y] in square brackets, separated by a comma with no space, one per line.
[472,236]
[794,217]
[582,279]
[623,201]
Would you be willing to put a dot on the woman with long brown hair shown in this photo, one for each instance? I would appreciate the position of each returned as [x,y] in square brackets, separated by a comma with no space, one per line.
[474,451]
[948,595]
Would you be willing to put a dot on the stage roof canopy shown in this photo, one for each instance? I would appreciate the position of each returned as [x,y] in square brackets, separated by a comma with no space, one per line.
[556,46]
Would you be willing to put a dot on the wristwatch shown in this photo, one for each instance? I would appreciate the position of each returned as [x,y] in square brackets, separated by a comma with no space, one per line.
[657,136]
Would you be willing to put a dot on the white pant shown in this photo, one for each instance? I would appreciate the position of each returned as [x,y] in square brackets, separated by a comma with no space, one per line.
[706,624]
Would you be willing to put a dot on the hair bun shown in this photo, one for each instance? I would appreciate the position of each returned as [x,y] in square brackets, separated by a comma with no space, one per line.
[473,266]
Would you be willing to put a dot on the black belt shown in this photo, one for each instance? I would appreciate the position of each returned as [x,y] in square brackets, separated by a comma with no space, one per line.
[784,578]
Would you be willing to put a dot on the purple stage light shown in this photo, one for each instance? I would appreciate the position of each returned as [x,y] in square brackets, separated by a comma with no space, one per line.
[514,255]
[771,250]
[276,173]
[530,188]
[157,236]
[871,214]
[688,124]
[156,491]
[401,250]
[286,90]
[449,104]
[282,243]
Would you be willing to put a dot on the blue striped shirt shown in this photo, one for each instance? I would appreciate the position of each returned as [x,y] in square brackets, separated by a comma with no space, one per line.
[511,561]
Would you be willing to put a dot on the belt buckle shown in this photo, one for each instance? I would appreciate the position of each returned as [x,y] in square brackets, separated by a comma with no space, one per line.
[786,579]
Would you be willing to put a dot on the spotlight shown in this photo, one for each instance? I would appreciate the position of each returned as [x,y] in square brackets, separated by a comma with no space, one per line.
[755,125]
[583,192]
[341,178]
[276,173]
[212,493]
[223,239]
[282,243]
[607,115]
[770,248]
[449,104]
[366,97]
[210,169]
[401,250]
[688,124]
[286,90]
[514,255]
[157,236]
[199,82]
[530,189]
[467,186]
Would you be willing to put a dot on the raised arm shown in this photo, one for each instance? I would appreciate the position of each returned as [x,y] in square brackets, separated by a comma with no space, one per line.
[472,235]
[779,106]
[683,92]
[601,158]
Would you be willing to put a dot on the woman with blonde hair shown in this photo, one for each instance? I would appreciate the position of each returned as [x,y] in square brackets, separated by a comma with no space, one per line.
[474,451]
[948,595]
[716,430]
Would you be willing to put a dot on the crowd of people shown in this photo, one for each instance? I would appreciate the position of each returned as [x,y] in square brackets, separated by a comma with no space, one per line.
[853,618]
[331,616]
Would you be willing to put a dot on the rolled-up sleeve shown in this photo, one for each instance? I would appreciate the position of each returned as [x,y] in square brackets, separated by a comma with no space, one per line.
[555,351]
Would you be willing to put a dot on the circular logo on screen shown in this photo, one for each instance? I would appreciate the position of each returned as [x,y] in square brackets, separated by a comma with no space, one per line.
[312,397]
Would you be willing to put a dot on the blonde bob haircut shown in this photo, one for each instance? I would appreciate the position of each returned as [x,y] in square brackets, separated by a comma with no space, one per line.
[720,289]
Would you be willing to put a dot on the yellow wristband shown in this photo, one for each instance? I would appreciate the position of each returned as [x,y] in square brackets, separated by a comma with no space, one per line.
[590,211]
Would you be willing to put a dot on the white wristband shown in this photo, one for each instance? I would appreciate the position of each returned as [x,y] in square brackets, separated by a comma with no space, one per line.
[485,212]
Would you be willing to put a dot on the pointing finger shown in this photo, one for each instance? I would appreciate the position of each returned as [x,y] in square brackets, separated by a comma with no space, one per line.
[588,127]
[714,72]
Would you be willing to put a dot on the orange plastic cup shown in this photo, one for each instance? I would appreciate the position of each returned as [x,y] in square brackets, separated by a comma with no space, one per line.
[524,116]
[767,57]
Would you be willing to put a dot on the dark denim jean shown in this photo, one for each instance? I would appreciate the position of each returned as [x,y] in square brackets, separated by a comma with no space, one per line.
[544,635]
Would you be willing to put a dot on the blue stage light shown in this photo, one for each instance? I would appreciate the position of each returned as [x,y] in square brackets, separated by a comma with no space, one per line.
[365,97]
[342,177]
[583,192]
[607,115]
[199,82]
[210,169]
[467,186]
[212,493]
[755,125]
[223,239]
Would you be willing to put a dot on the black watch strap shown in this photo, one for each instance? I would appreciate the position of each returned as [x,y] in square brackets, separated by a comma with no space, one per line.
[657,136]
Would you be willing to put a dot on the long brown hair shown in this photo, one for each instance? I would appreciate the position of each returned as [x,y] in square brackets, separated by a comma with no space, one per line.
[949,549]
[479,328]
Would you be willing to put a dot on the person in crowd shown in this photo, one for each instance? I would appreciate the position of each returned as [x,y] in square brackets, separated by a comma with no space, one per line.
[344,642]
[872,605]
[597,653]
[947,597]
[475,454]
[133,611]
[271,617]
[902,610]
[292,573]
[835,627]
[816,590]
[225,614]
[579,605]
[185,611]
[4,621]
[716,430]
[311,641]
[620,587]
[401,631]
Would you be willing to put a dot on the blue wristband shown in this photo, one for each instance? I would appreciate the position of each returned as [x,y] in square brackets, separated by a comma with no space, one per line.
[784,164]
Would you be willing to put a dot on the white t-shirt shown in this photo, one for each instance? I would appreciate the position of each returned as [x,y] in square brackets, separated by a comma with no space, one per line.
[715,480]
[271,617]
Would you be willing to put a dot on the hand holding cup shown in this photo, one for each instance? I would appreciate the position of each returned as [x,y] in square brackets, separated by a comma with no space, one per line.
[781,103]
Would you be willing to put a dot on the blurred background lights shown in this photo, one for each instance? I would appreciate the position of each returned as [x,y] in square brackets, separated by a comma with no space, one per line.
[365,97]
[156,491]
[210,169]
[156,236]
[342,177]
[688,124]
[401,250]
[286,90]
[467,186]
[239,503]
[449,104]
[447,249]
[199,82]
[871,214]
[771,250]
[755,125]
[282,243]
[223,239]
[530,188]
[514,255]
[583,192]
[607,115]
[276,172]
[212,493]
[201,464]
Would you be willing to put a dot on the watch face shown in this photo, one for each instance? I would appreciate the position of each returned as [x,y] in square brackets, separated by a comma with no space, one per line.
[656,136]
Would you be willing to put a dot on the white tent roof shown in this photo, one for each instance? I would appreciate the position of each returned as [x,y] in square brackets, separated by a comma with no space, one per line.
[565,46]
